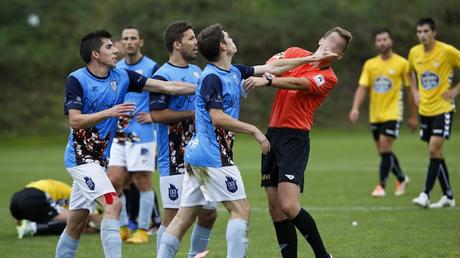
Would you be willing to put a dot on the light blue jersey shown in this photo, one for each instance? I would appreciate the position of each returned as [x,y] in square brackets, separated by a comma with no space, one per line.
[172,138]
[128,128]
[217,89]
[91,94]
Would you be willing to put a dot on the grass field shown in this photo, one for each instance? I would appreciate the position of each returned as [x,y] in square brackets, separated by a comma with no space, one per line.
[341,174]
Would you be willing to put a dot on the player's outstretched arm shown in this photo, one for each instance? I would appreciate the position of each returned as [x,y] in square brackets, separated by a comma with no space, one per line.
[360,95]
[168,116]
[289,83]
[77,120]
[279,66]
[222,120]
[169,87]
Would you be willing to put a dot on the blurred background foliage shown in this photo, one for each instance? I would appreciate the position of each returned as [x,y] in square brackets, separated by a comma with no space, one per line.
[35,60]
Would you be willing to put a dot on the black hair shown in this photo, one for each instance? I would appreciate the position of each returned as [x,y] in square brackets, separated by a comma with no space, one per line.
[427,20]
[175,32]
[209,41]
[92,42]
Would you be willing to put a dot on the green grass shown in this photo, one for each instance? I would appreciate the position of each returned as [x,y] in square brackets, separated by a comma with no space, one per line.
[341,173]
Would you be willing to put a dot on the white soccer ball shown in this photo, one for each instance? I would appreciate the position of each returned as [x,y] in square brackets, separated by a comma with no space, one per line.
[33,20]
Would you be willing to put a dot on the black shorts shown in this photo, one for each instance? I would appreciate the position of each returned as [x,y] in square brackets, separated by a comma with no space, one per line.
[388,128]
[32,204]
[288,157]
[439,125]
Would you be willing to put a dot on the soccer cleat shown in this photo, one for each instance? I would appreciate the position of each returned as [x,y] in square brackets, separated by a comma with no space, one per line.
[443,202]
[25,229]
[401,186]
[124,233]
[139,237]
[378,191]
[422,200]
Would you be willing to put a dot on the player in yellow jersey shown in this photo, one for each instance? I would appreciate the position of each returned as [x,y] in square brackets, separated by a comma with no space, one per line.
[41,208]
[431,64]
[385,76]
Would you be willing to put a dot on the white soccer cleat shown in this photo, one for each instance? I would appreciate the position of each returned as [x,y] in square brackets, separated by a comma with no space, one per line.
[422,200]
[25,229]
[443,202]
[401,186]
[378,191]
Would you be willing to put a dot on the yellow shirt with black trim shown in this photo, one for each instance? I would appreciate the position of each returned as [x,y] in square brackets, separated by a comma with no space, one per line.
[385,79]
[57,191]
[435,71]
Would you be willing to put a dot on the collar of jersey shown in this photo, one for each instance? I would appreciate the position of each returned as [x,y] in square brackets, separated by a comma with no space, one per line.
[227,71]
[138,61]
[97,77]
[177,66]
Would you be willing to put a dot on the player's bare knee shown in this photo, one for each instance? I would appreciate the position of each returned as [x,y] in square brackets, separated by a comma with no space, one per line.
[207,216]
[143,182]
[435,151]
[112,204]
[290,209]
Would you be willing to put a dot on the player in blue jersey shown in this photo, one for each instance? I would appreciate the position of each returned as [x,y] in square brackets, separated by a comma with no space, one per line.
[133,148]
[175,118]
[94,98]
[211,175]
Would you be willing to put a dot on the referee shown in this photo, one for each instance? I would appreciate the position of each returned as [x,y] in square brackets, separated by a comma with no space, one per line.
[300,92]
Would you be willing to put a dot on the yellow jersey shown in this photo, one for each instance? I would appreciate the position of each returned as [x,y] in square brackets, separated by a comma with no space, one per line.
[385,79]
[57,191]
[435,71]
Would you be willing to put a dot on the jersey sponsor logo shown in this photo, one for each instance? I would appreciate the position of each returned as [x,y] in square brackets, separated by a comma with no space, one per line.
[382,84]
[290,177]
[231,184]
[89,182]
[319,79]
[144,151]
[113,85]
[429,80]
[173,192]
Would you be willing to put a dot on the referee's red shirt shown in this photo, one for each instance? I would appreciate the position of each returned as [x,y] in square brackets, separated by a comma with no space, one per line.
[295,108]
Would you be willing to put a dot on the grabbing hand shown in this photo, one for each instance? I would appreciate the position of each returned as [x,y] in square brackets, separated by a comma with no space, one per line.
[254,82]
[124,109]
[143,118]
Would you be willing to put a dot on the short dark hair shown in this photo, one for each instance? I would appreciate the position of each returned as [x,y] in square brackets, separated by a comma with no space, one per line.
[209,41]
[92,42]
[428,21]
[345,34]
[381,31]
[175,32]
[133,28]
